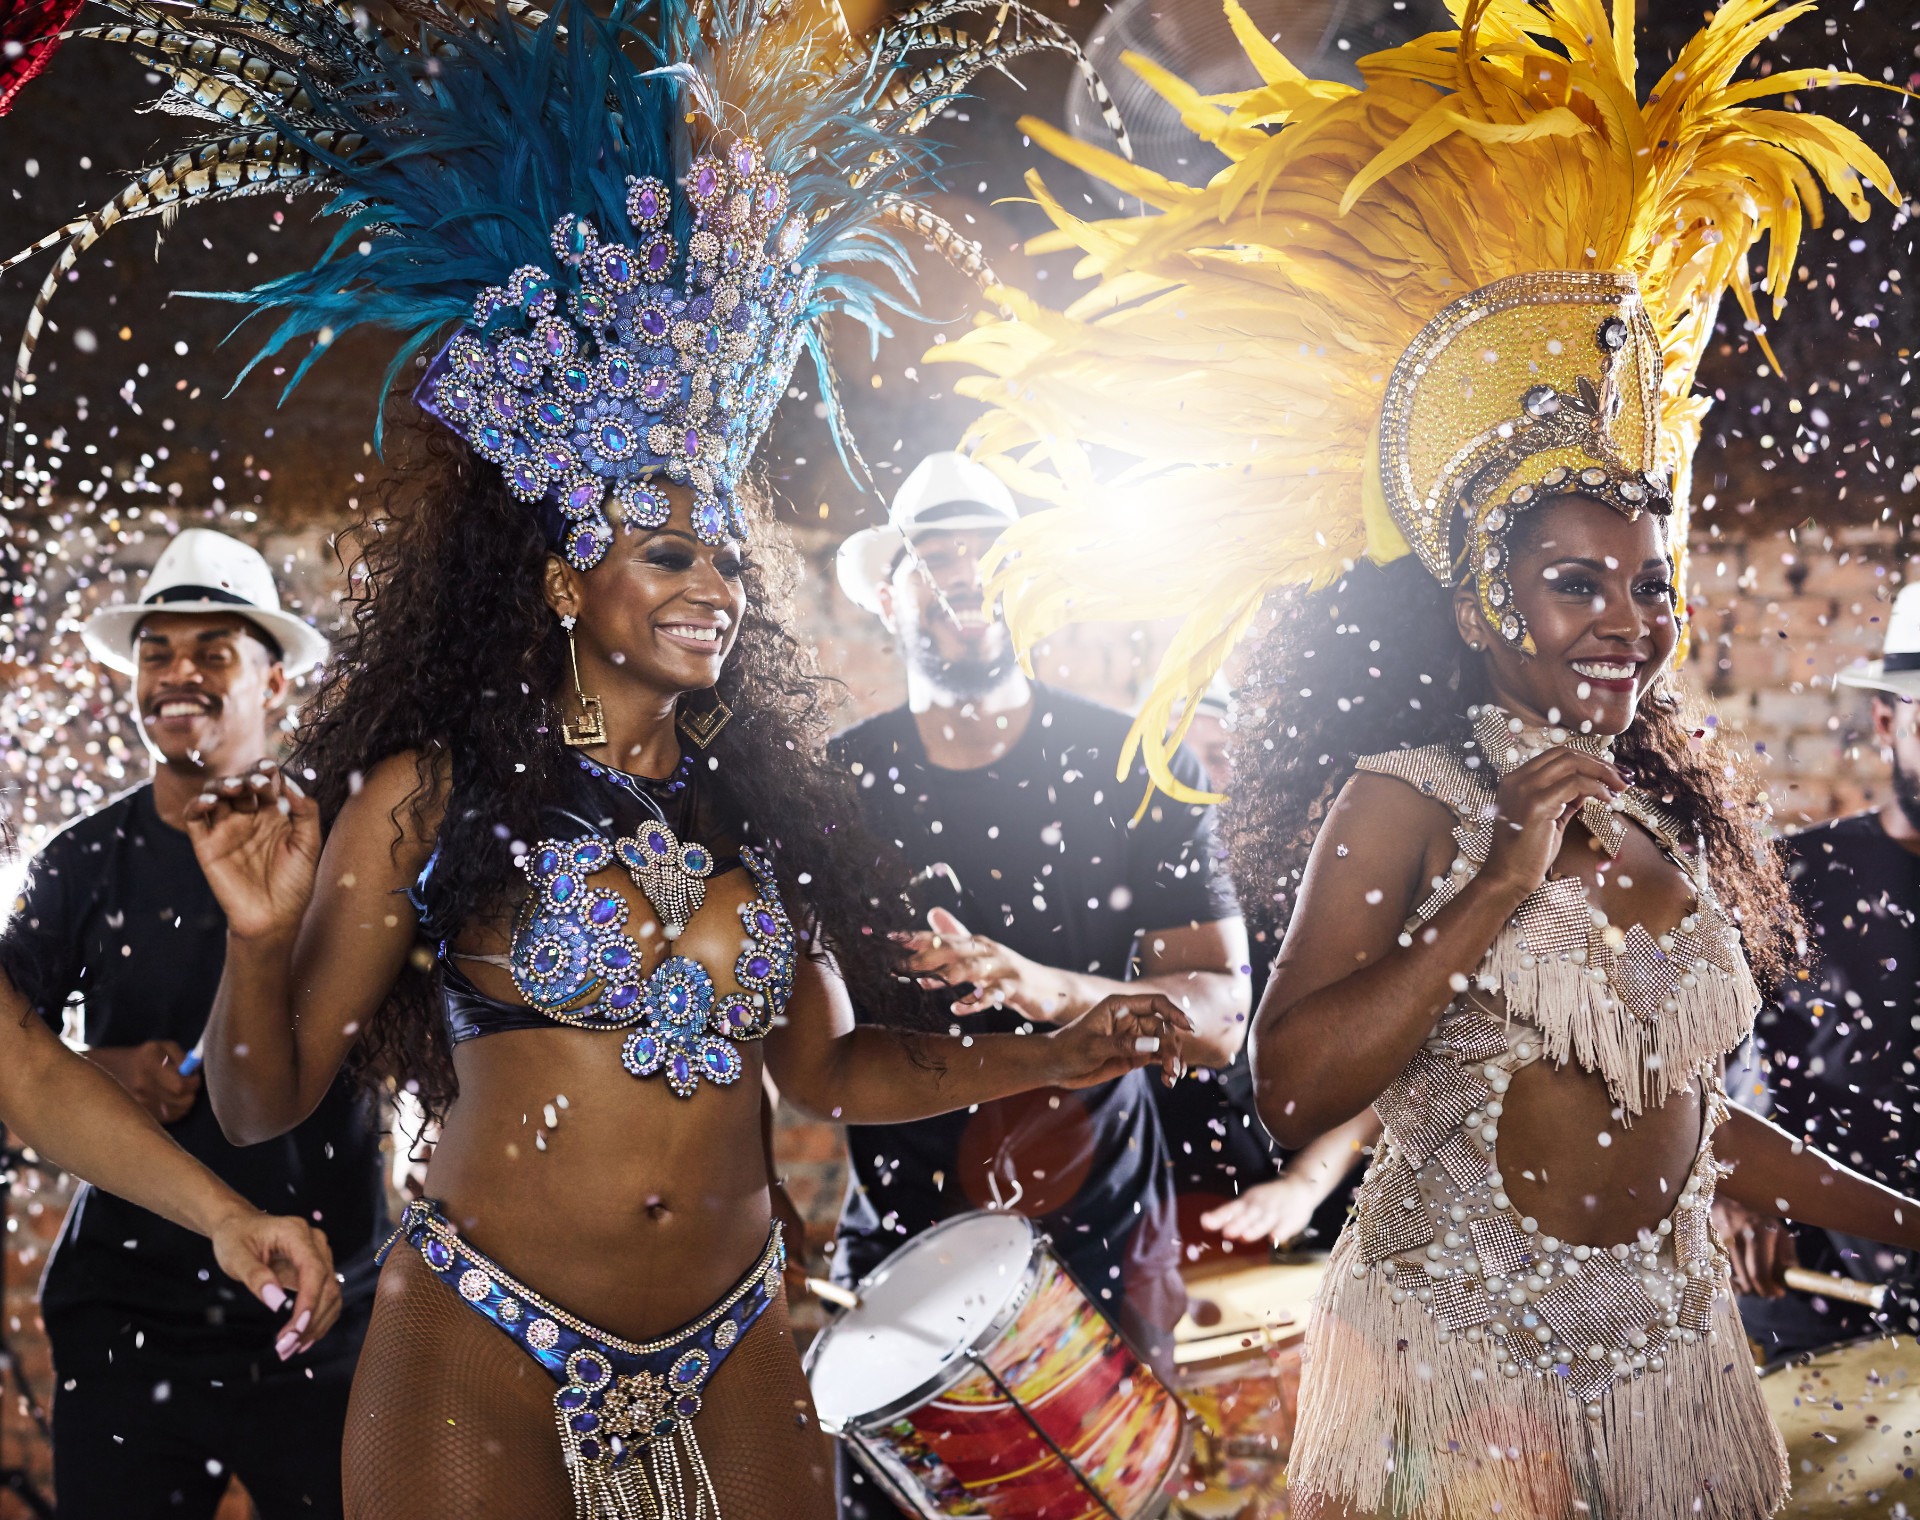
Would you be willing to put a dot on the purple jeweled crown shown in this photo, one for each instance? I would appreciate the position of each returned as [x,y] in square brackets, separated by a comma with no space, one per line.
[628,361]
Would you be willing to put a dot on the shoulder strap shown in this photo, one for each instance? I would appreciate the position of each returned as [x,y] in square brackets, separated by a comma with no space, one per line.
[1441,772]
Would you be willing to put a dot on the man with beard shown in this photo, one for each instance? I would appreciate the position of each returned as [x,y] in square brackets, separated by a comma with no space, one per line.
[1839,1046]
[164,1390]
[1042,895]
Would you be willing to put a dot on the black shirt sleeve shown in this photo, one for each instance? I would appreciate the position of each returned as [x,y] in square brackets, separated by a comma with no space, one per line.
[41,946]
[1174,865]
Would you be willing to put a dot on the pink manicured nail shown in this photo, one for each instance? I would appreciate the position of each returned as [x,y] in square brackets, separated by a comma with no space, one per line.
[288,1340]
[273,1296]
[305,1319]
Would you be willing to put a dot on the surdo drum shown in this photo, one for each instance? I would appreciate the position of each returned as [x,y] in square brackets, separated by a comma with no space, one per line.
[975,1378]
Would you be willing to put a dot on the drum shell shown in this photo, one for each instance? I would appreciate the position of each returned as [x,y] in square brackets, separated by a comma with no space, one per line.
[1238,1359]
[1850,1416]
[959,1446]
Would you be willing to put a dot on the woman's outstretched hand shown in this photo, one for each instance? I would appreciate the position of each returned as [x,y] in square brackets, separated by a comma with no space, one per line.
[1118,1034]
[278,1258]
[1536,802]
[257,837]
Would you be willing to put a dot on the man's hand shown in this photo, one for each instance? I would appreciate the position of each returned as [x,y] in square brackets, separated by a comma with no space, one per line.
[1760,1247]
[949,956]
[275,1257]
[1272,1213]
[151,1073]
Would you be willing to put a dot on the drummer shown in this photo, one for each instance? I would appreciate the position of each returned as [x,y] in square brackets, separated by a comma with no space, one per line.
[1235,1186]
[1837,1049]
[1041,897]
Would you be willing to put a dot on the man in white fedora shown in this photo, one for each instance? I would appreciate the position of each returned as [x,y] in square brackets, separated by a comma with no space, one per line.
[1042,897]
[167,1383]
[1838,1046]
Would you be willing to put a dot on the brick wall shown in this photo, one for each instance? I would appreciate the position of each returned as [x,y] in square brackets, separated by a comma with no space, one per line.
[1774,620]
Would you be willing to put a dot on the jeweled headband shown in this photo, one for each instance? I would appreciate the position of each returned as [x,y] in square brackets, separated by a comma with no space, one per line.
[616,234]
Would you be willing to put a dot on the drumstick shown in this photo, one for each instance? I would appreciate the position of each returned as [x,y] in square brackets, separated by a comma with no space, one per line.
[833,1293]
[1868,1295]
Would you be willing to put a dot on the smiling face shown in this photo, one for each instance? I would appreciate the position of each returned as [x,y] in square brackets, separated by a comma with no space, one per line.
[662,611]
[1597,592]
[205,685]
[936,609]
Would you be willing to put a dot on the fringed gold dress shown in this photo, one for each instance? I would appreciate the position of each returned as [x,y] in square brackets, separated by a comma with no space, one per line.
[1460,1361]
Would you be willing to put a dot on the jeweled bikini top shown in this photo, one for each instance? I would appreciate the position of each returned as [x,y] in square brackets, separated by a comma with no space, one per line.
[1647,1013]
[574,962]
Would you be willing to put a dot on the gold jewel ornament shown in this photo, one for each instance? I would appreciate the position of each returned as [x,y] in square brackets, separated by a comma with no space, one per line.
[592,727]
[704,726]
[1401,314]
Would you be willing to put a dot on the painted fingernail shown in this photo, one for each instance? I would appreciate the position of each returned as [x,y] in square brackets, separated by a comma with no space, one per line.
[273,1296]
[305,1319]
[207,798]
[1146,1044]
[284,1346]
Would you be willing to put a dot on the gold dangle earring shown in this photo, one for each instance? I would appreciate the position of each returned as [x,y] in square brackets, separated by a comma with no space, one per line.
[704,727]
[592,727]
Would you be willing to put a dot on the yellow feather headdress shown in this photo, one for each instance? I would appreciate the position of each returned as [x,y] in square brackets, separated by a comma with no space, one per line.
[1358,256]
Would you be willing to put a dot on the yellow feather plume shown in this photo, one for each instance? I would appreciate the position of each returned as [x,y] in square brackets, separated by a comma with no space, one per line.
[1204,418]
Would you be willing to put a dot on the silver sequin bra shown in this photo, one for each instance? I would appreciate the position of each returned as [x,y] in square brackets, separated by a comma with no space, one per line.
[1647,1013]
[1433,1218]
[574,961]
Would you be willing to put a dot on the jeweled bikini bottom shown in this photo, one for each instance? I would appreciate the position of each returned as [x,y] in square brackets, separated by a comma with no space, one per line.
[625,1409]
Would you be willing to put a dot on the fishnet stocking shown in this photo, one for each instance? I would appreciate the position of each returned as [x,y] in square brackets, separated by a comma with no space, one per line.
[448,1414]
[759,1433]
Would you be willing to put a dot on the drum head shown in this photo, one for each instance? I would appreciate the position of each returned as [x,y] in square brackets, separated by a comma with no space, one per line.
[920,1311]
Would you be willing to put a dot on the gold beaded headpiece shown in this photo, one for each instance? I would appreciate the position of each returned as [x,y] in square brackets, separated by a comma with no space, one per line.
[1531,387]
[1400,314]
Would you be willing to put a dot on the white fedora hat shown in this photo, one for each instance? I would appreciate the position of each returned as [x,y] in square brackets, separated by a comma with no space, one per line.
[204,571]
[946,493]
[1897,671]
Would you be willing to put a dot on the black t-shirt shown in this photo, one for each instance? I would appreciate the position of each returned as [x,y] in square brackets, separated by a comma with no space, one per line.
[1839,1048]
[1841,1044]
[1218,1148]
[1215,1140]
[1038,852]
[117,915]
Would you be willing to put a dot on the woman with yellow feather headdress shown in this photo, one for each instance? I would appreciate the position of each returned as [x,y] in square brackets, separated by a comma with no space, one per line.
[1421,358]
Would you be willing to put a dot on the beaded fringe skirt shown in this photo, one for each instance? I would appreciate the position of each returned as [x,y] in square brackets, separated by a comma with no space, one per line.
[1396,1422]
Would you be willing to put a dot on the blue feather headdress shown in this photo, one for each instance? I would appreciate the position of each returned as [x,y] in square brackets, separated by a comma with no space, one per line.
[614,234]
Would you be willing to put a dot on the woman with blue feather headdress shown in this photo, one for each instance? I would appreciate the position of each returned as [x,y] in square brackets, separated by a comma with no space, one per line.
[558,847]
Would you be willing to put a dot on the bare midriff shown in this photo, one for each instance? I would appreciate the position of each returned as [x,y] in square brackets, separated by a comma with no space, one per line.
[637,1209]
[1570,1156]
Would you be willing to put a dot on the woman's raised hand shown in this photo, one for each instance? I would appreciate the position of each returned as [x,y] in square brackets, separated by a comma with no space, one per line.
[257,837]
[1117,1034]
[1536,802]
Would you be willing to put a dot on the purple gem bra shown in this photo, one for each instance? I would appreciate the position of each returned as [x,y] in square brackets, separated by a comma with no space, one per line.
[575,963]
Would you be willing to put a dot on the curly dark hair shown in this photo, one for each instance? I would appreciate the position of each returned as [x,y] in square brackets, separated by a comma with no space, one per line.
[450,652]
[1375,663]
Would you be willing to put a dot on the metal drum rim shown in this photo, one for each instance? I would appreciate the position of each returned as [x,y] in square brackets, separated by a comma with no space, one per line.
[962,1365]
